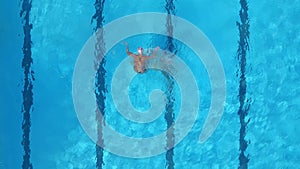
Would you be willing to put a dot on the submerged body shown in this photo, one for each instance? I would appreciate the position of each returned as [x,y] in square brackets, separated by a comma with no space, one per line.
[139,64]
[140,59]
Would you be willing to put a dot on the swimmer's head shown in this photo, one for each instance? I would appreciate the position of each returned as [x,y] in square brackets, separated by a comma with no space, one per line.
[140,50]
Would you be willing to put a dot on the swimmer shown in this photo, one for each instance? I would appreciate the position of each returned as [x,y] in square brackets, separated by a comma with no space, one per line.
[139,59]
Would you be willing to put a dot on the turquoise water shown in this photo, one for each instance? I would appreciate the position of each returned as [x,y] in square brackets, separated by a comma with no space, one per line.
[60,29]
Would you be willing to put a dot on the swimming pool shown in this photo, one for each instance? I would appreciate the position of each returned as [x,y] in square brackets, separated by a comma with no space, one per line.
[59,32]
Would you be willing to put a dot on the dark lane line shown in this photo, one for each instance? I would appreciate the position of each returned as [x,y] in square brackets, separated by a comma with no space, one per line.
[28,80]
[170,7]
[243,27]
[169,114]
[100,88]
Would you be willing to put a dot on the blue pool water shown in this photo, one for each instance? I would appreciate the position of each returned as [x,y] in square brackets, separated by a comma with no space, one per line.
[61,28]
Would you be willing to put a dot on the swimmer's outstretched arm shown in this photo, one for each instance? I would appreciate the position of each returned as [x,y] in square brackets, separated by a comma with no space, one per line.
[153,55]
[127,50]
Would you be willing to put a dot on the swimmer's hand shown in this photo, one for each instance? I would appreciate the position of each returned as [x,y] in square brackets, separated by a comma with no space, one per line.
[155,50]
[126,44]
[153,55]
[127,50]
